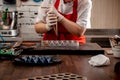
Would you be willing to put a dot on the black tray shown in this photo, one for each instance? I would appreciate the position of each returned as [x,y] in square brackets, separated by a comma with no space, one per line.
[89,48]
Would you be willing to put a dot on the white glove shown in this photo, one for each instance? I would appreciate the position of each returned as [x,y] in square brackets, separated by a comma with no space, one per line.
[51,20]
[53,9]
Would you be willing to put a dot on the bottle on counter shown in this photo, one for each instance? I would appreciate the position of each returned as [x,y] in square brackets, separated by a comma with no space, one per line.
[4,16]
[5,19]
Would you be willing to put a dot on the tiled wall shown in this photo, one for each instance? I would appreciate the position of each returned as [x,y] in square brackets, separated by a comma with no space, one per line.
[27,12]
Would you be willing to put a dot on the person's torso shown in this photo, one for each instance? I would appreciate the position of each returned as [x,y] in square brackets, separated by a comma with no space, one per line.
[63,34]
[64,8]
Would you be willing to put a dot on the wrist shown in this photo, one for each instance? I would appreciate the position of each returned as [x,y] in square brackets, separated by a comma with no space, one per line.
[47,27]
[60,18]
[61,21]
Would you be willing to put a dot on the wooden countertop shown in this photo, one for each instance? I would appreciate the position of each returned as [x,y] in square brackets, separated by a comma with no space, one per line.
[77,64]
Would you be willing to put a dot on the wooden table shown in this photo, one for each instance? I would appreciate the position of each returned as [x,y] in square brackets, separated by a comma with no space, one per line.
[77,64]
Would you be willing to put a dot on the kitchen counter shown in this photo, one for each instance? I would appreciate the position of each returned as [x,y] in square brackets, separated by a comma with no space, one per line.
[9,39]
[24,37]
[77,64]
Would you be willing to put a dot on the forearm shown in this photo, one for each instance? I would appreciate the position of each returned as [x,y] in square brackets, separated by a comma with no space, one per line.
[72,27]
[40,28]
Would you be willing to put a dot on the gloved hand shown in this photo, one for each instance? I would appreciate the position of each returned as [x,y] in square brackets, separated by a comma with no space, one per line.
[51,20]
[53,9]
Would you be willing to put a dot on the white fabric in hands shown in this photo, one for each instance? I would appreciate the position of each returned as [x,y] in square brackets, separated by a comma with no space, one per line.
[51,20]
[60,17]
[99,60]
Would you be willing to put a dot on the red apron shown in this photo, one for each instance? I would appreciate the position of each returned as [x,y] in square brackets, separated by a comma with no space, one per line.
[63,34]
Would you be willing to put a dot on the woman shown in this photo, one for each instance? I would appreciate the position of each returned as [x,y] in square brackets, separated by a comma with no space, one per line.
[73,17]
